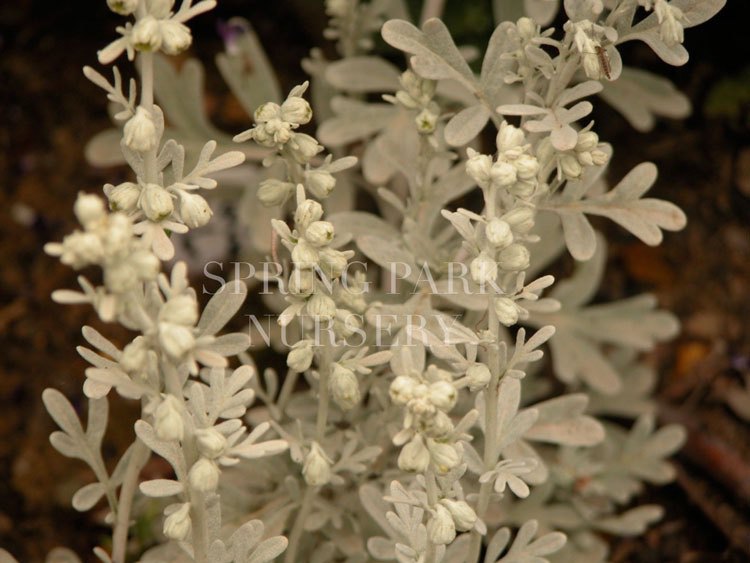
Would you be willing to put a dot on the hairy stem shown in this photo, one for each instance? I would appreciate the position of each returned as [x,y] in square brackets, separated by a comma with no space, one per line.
[490,407]
[299,525]
[324,394]
[138,459]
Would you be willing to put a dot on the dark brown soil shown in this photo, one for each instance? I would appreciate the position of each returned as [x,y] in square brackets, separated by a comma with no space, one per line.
[47,111]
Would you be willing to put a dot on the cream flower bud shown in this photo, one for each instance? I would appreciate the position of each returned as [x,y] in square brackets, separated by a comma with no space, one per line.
[436,426]
[344,387]
[498,233]
[177,524]
[478,376]
[443,395]
[320,183]
[587,141]
[521,219]
[317,467]
[274,192]
[266,112]
[146,34]
[280,130]
[168,422]
[444,456]
[346,323]
[89,209]
[304,255]
[300,357]
[140,132]
[134,355]
[180,309]
[483,269]
[526,28]
[570,166]
[124,197]
[503,174]
[321,306]
[414,456]
[319,233]
[296,110]
[462,514]
[599,157]
[402,389]
[527,167]
[514,258]
[585,158]
[176,340]
[122,7]
[302,282]
[204,475]
[307,212]
[194,210]
[156,202]
[506,311]
[426,121]
[523,189]
[440,529]
[333,263]
[175,37]
[479,167]
[509,137]
[210,442]
[304,147]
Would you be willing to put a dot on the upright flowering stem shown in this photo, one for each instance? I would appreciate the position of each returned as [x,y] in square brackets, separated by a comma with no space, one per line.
[147,101]
[490,407]
[321,421]
[140,452]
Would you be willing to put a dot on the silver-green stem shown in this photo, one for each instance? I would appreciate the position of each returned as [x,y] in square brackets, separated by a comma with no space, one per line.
[138,459]
[321,422]
[299,525]
[490,410]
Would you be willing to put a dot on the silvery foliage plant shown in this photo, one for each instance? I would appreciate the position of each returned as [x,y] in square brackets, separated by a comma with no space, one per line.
[415,420]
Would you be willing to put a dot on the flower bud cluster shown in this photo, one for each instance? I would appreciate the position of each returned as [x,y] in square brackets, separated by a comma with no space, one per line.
[417,93]
[514,170]
[158,28]
[109,242]
[157,203]
[176,325]
[427,399]
[448,517]
[571,164]
[275,127]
